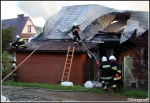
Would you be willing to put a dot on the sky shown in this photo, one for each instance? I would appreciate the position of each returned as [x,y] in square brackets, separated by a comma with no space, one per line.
[41,11]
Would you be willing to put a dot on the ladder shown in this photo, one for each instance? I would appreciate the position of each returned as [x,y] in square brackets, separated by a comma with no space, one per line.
[68,63]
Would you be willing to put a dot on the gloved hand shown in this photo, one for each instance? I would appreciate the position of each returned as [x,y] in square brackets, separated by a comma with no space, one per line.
[117,75]
[97,63]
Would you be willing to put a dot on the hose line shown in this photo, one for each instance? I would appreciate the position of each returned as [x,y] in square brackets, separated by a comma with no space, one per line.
[18,65]
[98,74]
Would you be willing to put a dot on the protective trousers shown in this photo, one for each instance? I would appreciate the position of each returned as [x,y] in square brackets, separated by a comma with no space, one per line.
[76,38]
[115,83]
[105,82]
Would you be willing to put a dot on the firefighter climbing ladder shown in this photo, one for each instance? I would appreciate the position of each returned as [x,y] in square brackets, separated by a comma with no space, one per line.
[68,63]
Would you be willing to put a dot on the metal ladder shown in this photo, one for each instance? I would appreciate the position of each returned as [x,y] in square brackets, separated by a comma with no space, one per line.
[68,63]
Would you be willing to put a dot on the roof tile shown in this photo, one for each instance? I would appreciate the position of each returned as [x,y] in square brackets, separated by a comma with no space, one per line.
[58,46]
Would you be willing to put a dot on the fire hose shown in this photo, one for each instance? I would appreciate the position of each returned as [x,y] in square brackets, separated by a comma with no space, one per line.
[98,74]
[19,65]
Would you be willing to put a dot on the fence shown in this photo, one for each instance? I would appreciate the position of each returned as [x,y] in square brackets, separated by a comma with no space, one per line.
[134,77]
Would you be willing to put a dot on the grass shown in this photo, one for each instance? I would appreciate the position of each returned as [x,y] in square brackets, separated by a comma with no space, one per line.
[38,85]
[129,93]
[136,93]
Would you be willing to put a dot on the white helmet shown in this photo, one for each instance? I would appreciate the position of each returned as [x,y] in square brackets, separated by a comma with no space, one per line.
[112,57]
[75,24]
[104,58]
[17,36]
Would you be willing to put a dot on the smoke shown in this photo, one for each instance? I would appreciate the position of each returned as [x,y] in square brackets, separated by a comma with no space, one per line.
[133,5]
[45,9]
[36,9]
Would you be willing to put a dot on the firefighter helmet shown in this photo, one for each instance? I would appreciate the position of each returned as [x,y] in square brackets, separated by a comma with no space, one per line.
[104,58]
[112,57]
[75,24]
[17,36]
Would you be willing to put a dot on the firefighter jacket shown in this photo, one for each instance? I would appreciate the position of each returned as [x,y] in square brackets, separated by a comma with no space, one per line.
[116,70]
[75,30]
[105,69]
[21,41]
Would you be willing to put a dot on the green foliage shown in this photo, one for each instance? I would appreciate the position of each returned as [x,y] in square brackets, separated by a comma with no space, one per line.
[6,64]
[39,29]
[7,36]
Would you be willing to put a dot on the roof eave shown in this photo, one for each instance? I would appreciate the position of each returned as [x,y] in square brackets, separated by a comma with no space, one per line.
[49,51]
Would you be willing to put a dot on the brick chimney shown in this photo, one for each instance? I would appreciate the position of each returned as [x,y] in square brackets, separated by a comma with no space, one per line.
[20,15]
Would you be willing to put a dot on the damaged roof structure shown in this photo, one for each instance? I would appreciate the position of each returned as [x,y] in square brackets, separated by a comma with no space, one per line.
[93,18]
[97,23]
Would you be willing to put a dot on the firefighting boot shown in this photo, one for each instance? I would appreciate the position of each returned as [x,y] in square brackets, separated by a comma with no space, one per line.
[105,87]
[80,43]
[114,90]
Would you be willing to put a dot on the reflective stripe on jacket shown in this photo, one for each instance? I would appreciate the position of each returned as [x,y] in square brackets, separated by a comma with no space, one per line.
[114,67]
[106,78]
[21,40]
[105,68]
[117,78]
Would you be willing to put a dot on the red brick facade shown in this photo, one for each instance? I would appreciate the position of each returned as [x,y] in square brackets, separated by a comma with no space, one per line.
[48,67]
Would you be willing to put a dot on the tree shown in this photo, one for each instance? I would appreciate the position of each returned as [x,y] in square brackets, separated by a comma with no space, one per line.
[139,46]
[39,29]
[7,36]
[6,64]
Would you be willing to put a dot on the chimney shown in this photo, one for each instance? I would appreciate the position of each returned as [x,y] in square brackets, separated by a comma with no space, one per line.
[20,15]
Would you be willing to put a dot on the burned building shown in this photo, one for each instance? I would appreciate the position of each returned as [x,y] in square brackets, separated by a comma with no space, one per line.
[103,31]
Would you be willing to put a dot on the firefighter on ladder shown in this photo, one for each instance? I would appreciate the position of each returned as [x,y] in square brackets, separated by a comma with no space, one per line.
[116,73]
[75,32]
[106,75]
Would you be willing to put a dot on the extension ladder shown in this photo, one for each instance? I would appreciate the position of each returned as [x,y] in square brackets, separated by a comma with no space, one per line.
[68,63]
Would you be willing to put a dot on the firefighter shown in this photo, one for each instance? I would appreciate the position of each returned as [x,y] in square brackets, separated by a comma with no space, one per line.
[13,65]
[75,32]
[20,42]
[13,45]
[106,75]
[116,73]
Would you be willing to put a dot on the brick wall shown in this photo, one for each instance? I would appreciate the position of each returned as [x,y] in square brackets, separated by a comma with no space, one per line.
[48,67]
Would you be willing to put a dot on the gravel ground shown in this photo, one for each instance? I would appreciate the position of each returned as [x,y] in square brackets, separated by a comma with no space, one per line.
[32,94]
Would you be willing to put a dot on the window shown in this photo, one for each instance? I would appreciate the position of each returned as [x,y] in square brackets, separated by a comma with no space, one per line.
[29,29]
